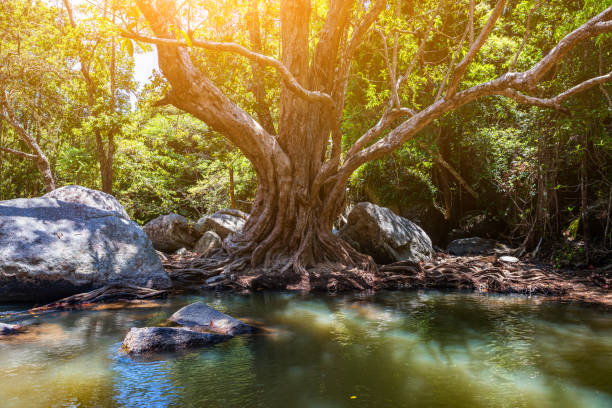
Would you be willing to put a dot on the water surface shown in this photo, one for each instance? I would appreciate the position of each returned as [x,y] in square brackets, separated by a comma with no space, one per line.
[398,349]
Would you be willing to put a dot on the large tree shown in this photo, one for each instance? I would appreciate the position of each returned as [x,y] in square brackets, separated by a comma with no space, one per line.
[301,165]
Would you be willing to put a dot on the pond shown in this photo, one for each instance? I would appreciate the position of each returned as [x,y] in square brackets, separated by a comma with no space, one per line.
[391,349]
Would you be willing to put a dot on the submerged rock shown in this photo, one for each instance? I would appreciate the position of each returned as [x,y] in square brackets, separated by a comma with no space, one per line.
[208,243]
[52,248]
[171,232]
[222,222]
[89,197]
[387,237]
[471,246]
[156,339]
[205,317]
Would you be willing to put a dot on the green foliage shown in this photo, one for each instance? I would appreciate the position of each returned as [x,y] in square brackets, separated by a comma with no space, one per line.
[171,162]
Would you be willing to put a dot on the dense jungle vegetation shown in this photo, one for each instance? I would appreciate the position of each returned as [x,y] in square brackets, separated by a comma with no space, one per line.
[72,111]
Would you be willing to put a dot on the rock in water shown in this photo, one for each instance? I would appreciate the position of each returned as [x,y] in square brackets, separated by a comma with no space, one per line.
[8,328]
[509,259]
[223,222]
[208,243]
[471,246]
[51,248]
[156,339]
[387,237]
[171,232]
[92,198]
[205,317]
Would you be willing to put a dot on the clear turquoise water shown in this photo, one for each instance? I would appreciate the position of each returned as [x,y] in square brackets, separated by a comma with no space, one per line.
[399,349]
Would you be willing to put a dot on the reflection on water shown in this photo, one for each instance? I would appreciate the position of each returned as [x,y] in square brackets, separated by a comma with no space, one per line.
[399,349]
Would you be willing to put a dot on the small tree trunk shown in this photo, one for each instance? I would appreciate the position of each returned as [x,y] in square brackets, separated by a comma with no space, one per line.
[608,215]
[106,164]
[106,175]
[584,196]
[45,170]
[232,187]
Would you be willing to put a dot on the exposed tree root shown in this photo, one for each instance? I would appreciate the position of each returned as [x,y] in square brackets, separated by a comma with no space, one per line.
[486,274]
[105,294]
[124,294]
[479,273]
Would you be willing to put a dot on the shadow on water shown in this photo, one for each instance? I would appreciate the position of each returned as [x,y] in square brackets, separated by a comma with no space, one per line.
[412,349]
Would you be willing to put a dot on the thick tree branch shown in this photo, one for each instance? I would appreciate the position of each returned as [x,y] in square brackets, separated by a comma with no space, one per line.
[452,62]
[340,85]
[7,114]
[419,51]
[326,51]
[394,99]
[18,153]
[288,78]
[357,38]
[259,88]
[388,117]
[555,102]
[597,25]
[476,46]
[194,93]
[525,37]
[363,27]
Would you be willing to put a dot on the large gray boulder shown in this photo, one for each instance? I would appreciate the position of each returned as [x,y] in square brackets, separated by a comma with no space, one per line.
[159,339]
[92,198]
[201,316]
[387,237]
[171,232]
[476,246]
[208,243]
[53,248]
[223,222]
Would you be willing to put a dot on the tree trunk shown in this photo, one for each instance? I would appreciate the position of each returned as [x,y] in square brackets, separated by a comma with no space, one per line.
[289,233]
[106,172]
[232,187]
[42,163]
[584,195]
